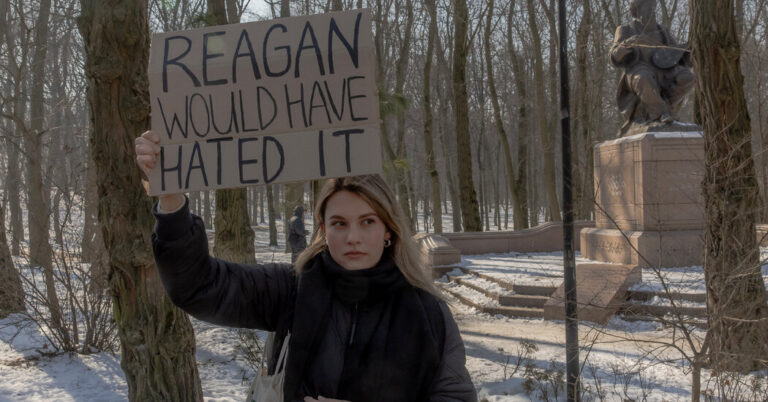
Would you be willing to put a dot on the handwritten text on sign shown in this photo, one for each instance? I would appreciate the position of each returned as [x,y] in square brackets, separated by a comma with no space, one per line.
[278,101]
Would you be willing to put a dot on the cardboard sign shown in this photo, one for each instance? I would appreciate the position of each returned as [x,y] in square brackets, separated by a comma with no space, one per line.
[264,102]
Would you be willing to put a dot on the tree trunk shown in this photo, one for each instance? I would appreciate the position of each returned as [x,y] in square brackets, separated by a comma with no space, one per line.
[253,211]
[11,292]
[547,145]
[156,339]
[381,20]
[40,252]
[533,195]
[93,250]
[512,180]
[736,295]
[520,189]
[445,92]
[13,181]
[470,216]
[452,190]
[12,186]
[506,210]
[58,169]
[261,205]
[90,211]
[234,236]
[481,188]
[194,202]
[207,219]
[272,220]
[402,166]
[429,148]
[580,123]
[496,195]
[294,192]
[695,380]
[412,200]
[285,8]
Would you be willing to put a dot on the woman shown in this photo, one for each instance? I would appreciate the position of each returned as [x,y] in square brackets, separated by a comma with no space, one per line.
[366,321]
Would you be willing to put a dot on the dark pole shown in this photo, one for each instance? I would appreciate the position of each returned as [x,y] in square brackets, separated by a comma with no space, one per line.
[569,261]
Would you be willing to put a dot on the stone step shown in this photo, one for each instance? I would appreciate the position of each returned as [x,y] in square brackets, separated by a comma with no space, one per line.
[631,308]
[634,316]
[482,303]
[511,300]
[523,300]
[645,295]
[532,290]
[477,287]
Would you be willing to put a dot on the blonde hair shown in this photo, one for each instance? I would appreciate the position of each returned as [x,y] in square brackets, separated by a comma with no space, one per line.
[404,251]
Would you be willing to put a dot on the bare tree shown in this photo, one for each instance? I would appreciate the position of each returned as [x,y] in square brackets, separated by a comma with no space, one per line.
[547,143]
[520,190]
[40,252]
[429,148]
[13,108]
[271,211]
[234,236]
[174,15]
[156,338]
[11,293]
[736,295]
[294,192]
[520,217]
[470,216]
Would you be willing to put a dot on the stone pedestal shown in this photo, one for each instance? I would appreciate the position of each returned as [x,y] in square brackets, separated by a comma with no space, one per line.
[650,210]
[442,257]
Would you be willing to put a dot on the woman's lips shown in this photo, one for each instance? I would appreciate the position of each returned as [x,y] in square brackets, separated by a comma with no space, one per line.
[354,254]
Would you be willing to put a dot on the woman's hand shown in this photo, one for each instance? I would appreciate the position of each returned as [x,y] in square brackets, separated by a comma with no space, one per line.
[321,399]
[147,149]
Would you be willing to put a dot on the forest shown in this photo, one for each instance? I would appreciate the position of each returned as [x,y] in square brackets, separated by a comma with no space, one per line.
[469,100]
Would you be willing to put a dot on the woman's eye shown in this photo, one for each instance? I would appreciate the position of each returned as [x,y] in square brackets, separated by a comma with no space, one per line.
[337,223]
[369,221]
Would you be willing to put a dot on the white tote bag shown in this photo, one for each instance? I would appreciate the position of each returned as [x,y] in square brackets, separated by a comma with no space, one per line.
[269,388]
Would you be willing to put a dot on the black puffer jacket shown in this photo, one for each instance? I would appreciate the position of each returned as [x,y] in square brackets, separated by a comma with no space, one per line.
[401,346]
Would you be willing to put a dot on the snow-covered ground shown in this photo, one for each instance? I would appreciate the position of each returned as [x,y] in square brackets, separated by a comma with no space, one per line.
[621,361]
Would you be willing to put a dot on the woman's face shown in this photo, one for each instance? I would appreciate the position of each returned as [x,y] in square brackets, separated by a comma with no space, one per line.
[354,233]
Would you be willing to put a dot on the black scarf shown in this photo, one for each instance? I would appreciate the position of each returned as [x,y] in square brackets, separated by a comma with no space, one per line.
[365,285]
[399,332]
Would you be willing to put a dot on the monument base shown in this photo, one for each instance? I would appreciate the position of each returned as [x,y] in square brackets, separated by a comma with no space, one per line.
[674,248]
[601,290]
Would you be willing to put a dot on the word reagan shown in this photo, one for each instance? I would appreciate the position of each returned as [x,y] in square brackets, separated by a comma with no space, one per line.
[291,54]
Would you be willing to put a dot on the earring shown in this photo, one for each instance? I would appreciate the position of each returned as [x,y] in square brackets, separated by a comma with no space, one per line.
[387,243]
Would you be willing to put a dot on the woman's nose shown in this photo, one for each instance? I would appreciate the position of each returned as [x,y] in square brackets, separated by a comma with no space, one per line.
[353,234]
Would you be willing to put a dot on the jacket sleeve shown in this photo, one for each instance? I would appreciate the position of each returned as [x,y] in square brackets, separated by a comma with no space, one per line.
[213,290]
[453,383]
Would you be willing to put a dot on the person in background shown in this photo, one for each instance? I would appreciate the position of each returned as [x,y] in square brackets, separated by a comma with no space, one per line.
[297,235]
[367,323]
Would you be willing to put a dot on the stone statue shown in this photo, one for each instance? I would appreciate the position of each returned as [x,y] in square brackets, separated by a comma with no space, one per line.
[656,72]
